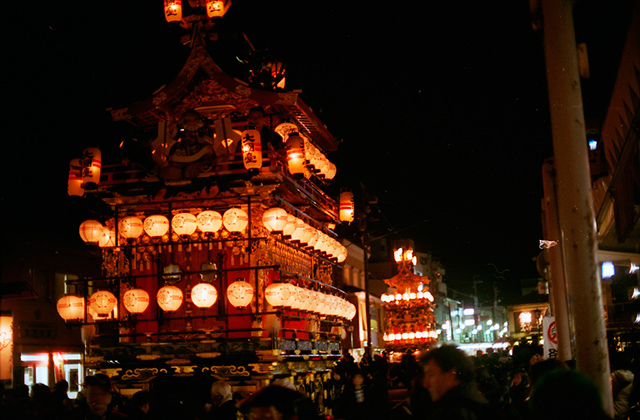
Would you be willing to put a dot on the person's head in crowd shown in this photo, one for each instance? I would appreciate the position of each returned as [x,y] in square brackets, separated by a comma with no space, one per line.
[220,393]
[445,368]
[141,400]
[256,117]
[542,366]
[98,393]
[566,394]
[278,402]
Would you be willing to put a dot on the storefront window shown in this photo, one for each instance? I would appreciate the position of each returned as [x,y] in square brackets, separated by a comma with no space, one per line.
[68,366]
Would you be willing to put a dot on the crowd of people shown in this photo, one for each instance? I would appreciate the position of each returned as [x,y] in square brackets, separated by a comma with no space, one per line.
[441,383]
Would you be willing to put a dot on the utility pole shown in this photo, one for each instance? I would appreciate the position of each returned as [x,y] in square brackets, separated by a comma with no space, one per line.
[576,212]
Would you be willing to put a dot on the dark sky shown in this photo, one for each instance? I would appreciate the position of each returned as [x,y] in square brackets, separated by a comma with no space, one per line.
[441,109]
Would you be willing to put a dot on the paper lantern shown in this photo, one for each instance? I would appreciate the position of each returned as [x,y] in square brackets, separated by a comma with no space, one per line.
[278,294]
[217,8]
[91,231]
[204,295]
[136,301]
[235,220]
[156,225]
[251,149]
[75,187]
[313,239]
[295,154]
[347,206]
[130,227]
[102,302]
[184,223]
[173,10]
[331,171]
[91,167]
[169,298]
[290,227]
[298,231]
[70,307]
[240,293]
[209,221]
[275,219]
[342,254]
[108,238]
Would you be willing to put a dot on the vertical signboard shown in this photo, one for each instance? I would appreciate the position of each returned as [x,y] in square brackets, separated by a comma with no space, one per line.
[550,337]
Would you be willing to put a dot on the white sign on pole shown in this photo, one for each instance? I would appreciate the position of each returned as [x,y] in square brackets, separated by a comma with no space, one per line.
[550,337]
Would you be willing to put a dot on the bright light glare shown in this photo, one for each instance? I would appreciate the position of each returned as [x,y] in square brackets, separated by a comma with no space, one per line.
[608,270]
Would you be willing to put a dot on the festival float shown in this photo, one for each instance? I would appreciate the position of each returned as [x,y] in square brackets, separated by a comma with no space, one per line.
[220,258]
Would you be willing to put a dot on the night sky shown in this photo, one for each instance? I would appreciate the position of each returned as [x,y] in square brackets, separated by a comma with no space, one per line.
[441,110]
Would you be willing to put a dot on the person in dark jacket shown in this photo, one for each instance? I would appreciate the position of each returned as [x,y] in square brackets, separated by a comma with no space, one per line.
[449,378]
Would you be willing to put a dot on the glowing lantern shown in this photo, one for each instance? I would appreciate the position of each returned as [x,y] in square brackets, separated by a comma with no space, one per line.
[169,298]
[136,301]
[313,239]
[295,153]
[173,10]
[240,293]
[347,206]
[70,307]
[275,219]
[342,254]
[91,167]
[217,8]
[331,171]
[75,178]
[184,223]
[209,221]
[204,295]
[108,238]
[235,220]
[102,302]
[298,231]
[251,149]
[321,242]
[91,231]
[307,234]
[278,294]
[130,227]
[156,225]
[290,227]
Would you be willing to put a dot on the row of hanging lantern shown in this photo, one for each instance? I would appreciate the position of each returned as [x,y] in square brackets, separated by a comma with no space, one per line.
[302,156]
[406,297]
[204,295]
[156,226]
[286,295]
[277,220]
[410,336]
[214,9]
[84,173]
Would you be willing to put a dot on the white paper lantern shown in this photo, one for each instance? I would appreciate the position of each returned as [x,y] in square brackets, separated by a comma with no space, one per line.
[235,220]
[295,153]
[169,298]
[347,207]
[290,227]
[156,225]
[298,231]
[240,293]
[130,227]
[275,219]
[91,167]
[102,302]
[91,231]
[184,223]
[136,301]
[209,221]
[70,307]
[278,294]
[108,238]
[204,295]
[251,149]
[75,187]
